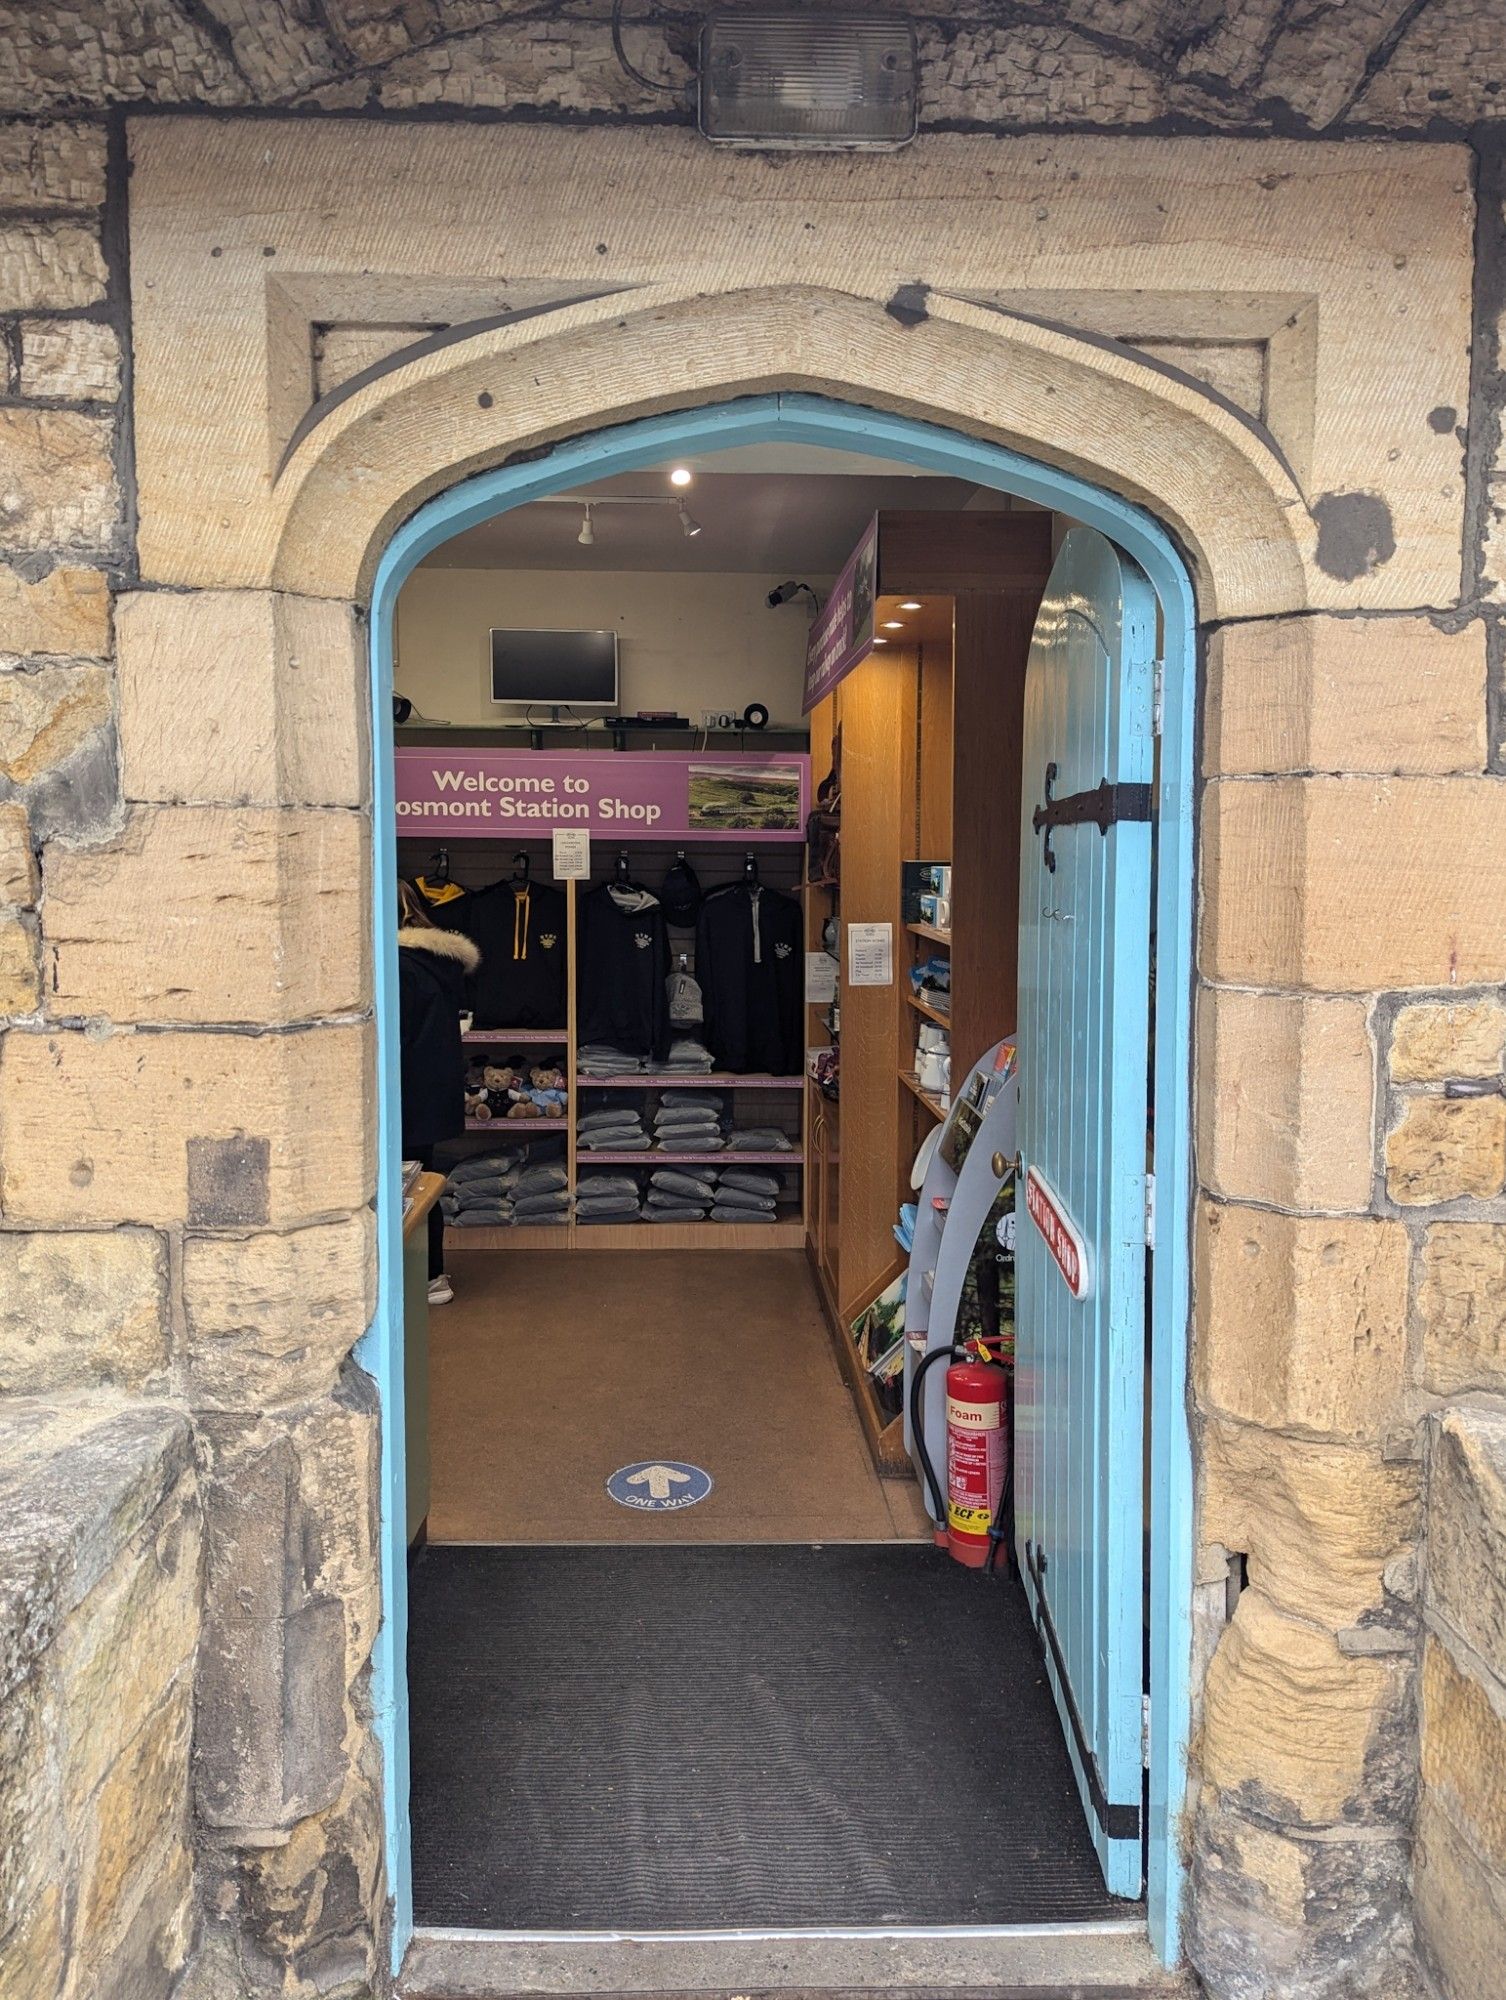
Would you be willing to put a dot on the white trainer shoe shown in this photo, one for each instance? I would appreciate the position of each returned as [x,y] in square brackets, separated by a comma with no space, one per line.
[441,1291]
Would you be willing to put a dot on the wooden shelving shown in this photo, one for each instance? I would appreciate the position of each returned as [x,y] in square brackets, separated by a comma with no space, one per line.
[523,1127]
[520,1037]
[722,1080]
[725,1156]
[936,1014]
[928,1098]
[930,931]
[785,1232]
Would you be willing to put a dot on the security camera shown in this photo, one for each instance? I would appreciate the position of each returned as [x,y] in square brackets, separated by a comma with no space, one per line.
[782,593]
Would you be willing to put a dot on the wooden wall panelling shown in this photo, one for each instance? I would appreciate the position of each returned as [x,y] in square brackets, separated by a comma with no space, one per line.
[945,551]
[878,820]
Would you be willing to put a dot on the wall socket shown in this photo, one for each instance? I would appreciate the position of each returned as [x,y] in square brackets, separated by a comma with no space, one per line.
[719,718]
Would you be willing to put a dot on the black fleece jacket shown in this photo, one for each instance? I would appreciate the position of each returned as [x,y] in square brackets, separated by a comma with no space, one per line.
[432,966]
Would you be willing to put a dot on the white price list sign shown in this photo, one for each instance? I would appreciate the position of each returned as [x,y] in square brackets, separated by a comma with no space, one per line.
[572,854]
[870,954]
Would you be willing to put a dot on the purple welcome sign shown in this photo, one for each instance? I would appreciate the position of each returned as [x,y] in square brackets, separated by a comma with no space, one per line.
[662,794]
[843,632]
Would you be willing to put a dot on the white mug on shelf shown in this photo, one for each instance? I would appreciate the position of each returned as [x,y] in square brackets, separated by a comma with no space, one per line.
[933,1070]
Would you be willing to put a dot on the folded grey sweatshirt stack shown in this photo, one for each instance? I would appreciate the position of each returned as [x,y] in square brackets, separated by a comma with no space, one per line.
[601,1059]
[758,1139]
[743,1194]
[679,1195]
[688,1057]
[613,1129]
[689,1122]
[478,1194]
[541,1194]
[607,1194]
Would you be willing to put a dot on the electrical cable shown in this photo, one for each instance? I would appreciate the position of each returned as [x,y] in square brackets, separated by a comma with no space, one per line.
[918,1428]
[648,83]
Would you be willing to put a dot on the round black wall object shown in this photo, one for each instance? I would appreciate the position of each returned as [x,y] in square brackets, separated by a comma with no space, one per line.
[755,716]
[402,708]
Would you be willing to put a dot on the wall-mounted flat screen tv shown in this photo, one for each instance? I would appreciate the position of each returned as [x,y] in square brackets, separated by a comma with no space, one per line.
[554,669]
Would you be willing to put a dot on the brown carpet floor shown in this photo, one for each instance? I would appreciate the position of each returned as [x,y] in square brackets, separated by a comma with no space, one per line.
[551,1370]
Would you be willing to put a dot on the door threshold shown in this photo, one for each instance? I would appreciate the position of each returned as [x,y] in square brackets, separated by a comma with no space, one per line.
[1106,1957]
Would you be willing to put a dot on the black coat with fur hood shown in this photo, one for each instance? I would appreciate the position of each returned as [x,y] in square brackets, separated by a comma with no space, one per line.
[432,967]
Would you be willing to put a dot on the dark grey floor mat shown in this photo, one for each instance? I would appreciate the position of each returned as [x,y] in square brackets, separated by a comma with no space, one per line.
[605,1738]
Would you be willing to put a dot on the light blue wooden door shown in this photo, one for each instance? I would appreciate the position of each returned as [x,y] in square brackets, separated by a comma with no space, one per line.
[1085,900]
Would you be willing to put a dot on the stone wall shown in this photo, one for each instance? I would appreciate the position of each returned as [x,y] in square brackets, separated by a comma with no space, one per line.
[186,1163]
[1104,65]
[101,1583]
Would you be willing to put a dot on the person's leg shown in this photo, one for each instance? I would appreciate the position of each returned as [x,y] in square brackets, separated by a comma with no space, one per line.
[425,1157]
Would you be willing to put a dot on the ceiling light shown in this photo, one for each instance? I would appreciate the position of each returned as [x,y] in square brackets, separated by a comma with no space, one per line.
[688,523]
[878,641]
[912,604]
[587,533]
[681,476]
[894,624]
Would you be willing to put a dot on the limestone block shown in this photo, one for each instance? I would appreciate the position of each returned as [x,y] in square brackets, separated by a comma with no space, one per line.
[82,1308]
[1443,1149]
[52,166]
[199,913]
[138,1822]
[1345,694]
[19,975]
[242,697]
[151,1950]
[218,1131]
[76,359]
[48,716]
[32,1838]
[66,611]
[1297,1732]
[312,1902]
[1461,1909]
[1285,1107]
[77,1484]
[120,1653]
[57,489]
[18,866]
[1464,1754]
[1465,1588]
[1302,1320]
[290,1515]
[272,1318]
[1319,1523]
[1436,1039]
[47,265]
[1277,1912]
[1461,1307]
[1354,884]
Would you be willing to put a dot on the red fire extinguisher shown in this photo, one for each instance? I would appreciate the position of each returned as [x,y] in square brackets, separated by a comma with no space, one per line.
[977,1453]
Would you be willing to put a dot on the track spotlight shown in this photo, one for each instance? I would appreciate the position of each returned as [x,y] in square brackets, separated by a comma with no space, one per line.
[689,525]
[680,476]
[587,533]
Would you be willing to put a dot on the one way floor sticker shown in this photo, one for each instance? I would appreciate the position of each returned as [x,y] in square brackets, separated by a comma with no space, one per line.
[659,1486]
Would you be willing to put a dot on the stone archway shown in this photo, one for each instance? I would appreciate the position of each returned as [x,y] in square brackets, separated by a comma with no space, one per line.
[204,1031]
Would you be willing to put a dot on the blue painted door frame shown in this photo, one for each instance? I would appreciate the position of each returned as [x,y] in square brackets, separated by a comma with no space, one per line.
[813,420]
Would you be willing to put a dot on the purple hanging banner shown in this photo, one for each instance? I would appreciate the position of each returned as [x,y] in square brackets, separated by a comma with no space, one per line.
[843,630]
[666,794]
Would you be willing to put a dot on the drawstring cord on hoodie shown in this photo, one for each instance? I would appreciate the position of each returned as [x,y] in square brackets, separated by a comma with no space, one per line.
[520,905]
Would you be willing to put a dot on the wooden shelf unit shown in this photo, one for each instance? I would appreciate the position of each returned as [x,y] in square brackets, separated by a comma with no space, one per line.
[932,729]
[477,862]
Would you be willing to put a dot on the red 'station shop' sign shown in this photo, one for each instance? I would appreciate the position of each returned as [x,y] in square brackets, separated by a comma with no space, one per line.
[1059,1232]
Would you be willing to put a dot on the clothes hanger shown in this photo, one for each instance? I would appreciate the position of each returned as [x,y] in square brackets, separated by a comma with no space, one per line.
[439,866]
[623,875]
[750,869]
[520,867]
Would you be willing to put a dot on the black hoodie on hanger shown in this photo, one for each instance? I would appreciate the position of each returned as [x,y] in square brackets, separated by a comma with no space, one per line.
[520,927]
[624,963]
[750,961]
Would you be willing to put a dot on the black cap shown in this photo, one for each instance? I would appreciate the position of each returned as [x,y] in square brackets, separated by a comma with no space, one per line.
[680,897]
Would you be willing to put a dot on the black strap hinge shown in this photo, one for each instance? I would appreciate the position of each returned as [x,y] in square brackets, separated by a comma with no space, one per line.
[1105,806]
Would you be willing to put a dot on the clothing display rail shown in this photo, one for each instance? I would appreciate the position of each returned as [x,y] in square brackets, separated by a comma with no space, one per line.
[648,1115]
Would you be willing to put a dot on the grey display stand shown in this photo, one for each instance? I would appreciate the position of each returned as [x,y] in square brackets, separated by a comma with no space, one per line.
[944,1245]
